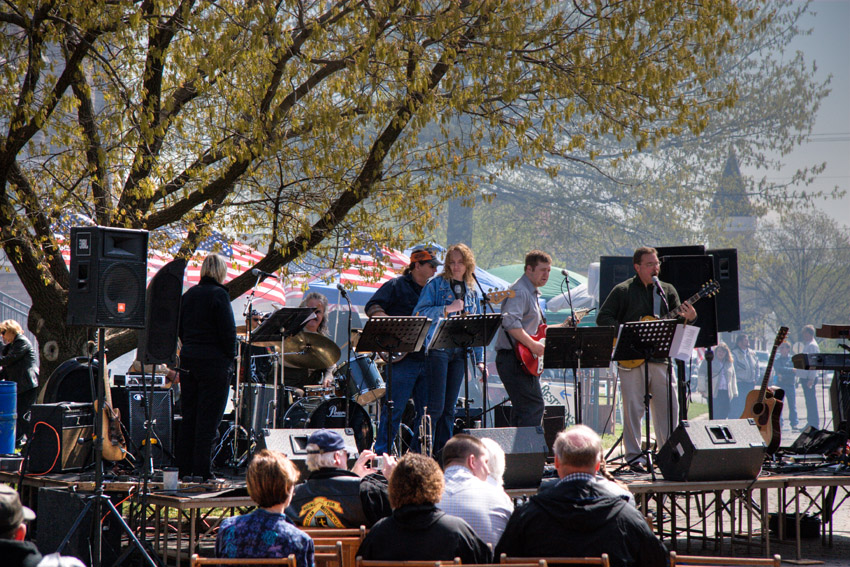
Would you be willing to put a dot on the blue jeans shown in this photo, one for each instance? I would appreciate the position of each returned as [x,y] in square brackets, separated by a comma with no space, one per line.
[811,397]
[408,380]
[445,375]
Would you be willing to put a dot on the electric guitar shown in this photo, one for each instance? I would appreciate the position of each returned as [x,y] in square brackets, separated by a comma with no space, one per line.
[529,361]
[114,446]
[708,289]
[765,405]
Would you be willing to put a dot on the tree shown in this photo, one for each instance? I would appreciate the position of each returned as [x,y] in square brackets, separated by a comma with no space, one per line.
[307,122]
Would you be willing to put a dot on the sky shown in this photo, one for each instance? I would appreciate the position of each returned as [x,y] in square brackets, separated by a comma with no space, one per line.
[829,47]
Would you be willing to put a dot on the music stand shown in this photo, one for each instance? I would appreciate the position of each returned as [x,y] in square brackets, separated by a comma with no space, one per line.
[645,340]
[577,348]
[466,332]
[393,335]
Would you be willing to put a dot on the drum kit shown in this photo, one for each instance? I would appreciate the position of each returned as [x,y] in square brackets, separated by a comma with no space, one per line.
[264,401]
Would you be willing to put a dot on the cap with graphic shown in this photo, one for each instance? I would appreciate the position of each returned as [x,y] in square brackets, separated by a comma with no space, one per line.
[424,253]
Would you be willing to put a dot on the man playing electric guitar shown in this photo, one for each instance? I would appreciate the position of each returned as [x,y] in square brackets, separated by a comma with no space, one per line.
[632,300]
[521,319]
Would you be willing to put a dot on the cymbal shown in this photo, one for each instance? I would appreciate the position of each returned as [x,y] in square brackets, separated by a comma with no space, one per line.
[310,350]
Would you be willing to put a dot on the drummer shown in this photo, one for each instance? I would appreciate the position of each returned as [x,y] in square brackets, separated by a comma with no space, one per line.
[298,378]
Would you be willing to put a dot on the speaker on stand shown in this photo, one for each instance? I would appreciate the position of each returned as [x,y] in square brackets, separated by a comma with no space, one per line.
[612,271]
[525,453]
[727,301]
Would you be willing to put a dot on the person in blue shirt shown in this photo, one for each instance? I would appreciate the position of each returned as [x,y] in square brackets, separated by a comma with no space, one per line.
[451,293]
[266,532]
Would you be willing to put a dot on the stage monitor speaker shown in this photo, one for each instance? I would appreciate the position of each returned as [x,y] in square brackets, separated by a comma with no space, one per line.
[158,340]
[57,510]
[613,270]
[131,403]
[553,422]
[108,275]
[726,274]
[688,274]
[525,453]
[687,250]
[711,450]
[60,436]
[293,444]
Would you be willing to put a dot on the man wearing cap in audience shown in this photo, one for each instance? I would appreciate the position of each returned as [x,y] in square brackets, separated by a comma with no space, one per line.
[398,297]
[335,497]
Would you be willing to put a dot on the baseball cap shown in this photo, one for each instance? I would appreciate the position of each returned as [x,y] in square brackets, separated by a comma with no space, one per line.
[423,253]
[329,441]
[12,512]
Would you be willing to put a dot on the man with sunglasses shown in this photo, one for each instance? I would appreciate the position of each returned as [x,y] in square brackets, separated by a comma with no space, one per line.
[633,300]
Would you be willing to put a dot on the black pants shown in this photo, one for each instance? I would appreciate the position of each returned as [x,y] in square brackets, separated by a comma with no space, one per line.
[204,387]
[25,401]
[523,390]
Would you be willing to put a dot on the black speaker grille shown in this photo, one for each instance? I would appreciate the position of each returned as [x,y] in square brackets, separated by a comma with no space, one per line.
[131,403]
[121,302]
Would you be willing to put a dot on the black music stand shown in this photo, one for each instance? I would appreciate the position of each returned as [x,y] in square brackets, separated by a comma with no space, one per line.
[577,348]
[466,332]
[645,340]
[283,323]
[393,335]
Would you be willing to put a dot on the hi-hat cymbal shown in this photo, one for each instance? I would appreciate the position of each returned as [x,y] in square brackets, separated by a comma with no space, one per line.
[310,350]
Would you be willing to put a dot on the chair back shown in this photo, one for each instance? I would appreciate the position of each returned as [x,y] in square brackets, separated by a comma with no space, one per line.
[360,562]
[601,560]
[328,555]
[704,561]
[326,533]
[350,545]
[197,561]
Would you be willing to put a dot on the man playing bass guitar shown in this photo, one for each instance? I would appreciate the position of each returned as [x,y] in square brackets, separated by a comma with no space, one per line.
[632,300]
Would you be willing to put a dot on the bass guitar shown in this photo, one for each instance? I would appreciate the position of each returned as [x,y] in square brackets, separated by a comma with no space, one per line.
[529,361]
[708,289]
[764,406]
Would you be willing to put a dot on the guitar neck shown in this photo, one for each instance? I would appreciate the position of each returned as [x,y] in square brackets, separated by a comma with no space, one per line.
[780,337]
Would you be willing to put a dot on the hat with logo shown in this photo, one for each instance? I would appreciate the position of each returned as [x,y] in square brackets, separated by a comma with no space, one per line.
[12,512]
[329,441]
[423,253]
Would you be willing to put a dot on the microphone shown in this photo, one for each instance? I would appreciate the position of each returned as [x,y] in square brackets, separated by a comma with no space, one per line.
[257,272]
[342,290]
[565,273]
[458,291]
[658,287]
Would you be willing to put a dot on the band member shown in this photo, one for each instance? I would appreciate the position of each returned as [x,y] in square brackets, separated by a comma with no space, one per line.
[521,317]
[300,377]
[632,300]
[398,297]
[451,293]
[208,334]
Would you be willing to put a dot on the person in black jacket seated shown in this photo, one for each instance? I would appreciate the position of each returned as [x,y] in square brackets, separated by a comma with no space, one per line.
[417,529]
[334,497]
[578,517]
[207,332]
[18,365]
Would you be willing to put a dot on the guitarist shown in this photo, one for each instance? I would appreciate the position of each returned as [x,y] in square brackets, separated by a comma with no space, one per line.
[521,318]
[632,300]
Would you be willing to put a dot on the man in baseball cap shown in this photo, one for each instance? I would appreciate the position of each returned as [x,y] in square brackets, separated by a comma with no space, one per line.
[13,530]
[423,253]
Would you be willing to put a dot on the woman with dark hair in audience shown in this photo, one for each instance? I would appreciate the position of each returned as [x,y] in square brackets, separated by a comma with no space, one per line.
[417,529]
[266,532]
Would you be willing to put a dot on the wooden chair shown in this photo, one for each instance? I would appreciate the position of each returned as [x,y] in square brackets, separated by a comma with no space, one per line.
[328,555]
[329,533]
[703,561]
[350,545]
[602,560]
[529,562]
[360,562]
[281,561]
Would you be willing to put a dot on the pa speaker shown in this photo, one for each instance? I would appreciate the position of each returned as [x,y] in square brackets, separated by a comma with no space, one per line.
[158,340]
[553,422]
[131,403]
[525,453]
[60,437]
[293,444]
[688,274]
[613,270]
[687,250]
[710,450]
[108,275]
[726,274]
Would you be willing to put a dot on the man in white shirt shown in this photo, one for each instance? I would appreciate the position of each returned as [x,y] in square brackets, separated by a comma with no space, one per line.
[809,378]
[467,494]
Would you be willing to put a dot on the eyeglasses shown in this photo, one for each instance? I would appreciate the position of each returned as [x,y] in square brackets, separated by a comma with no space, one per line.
[651,264]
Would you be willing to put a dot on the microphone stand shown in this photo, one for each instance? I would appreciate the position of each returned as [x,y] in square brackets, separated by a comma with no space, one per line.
[576,381]
[344,295]
[485,301]
[660,292]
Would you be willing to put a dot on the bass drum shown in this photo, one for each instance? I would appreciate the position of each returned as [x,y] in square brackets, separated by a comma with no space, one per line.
[321,413]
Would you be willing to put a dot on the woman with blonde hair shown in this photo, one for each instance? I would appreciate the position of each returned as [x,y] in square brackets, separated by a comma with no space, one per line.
[451,293]
[18,365]
[724,386]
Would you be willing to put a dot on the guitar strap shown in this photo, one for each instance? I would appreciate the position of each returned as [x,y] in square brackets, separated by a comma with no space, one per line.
[656,304]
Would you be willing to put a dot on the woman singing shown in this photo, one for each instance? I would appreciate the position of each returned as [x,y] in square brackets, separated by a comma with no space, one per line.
[450,293]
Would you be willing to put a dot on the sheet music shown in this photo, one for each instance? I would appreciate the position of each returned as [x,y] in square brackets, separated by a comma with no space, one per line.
[684,341]
[437,333]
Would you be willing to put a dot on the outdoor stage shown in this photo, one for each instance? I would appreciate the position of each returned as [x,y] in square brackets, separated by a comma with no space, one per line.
[730,517]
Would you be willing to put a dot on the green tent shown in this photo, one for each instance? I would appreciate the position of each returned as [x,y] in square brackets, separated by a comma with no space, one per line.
[512,272]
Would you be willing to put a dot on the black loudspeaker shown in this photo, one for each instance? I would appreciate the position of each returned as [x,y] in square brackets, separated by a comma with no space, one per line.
[688,274]
[553,422]
[613,270]
[158,340]
[709,450]
[71,381]
[131,403]
[525,453]
[688,250]
[61,437]
[108,275]
[293,444]
[726,274]
[839,397]
[57,510]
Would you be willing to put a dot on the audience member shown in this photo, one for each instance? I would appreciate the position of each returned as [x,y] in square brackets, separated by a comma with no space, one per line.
[335,497]
[467,494]
[266,532]
[417,529]
[18,364]
[577,517]
[809,378]
[497,462]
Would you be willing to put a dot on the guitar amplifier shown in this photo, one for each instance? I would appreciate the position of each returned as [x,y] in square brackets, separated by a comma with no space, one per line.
[61,437]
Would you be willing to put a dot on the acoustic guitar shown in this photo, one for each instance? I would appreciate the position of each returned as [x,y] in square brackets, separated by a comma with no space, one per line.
[529,361]
[764,406]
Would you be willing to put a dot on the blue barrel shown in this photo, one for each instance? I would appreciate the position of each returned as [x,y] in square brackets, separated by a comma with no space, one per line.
[8,416]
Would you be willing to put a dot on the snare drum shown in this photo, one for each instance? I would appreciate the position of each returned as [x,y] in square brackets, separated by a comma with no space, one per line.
[330,414]
[256,406]
[366,385]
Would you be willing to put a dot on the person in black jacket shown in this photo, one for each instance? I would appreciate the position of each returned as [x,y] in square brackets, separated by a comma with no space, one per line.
[208,336]
[578,517]
[18,365]
[417,529]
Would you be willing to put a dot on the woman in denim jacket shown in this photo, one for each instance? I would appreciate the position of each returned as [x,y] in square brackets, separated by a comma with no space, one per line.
[450,293]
